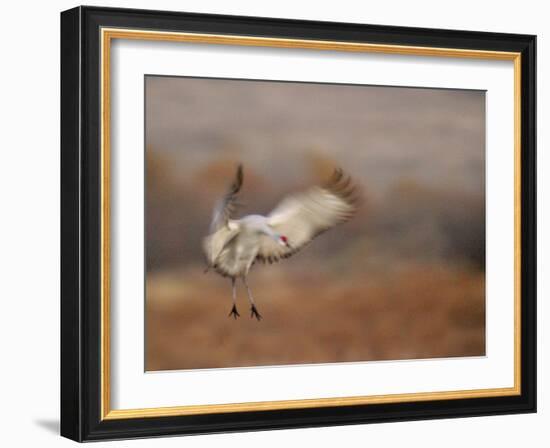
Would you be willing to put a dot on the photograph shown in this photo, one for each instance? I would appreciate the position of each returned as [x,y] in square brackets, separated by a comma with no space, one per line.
[291,223]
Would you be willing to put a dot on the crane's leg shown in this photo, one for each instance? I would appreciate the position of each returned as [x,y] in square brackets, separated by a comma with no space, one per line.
[253,310]
[234,311]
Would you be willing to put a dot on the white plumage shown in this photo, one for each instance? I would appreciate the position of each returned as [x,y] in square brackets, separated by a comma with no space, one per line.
[235,244]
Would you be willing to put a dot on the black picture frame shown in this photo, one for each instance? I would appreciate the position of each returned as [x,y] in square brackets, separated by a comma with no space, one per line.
[81,227]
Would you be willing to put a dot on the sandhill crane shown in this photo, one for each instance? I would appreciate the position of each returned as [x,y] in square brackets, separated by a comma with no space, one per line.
[233,245]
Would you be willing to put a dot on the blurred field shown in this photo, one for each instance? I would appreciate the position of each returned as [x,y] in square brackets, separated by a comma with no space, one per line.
[404,279]
[422,311]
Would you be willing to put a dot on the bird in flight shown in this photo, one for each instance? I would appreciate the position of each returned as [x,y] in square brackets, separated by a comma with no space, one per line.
[235,244]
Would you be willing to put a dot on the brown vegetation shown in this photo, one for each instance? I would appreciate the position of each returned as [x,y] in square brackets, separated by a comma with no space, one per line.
[409,311]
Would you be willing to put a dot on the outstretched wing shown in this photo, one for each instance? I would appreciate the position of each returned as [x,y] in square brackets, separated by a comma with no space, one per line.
[226,207]
[303,216]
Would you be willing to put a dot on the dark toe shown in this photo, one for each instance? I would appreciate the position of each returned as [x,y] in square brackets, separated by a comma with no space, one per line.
[234,312]
[254,313]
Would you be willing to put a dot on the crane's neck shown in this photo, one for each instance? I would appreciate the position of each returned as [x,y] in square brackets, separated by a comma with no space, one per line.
[258,223]
[267,230]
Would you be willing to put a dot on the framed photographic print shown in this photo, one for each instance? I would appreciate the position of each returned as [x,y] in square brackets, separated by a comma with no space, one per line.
[273,223]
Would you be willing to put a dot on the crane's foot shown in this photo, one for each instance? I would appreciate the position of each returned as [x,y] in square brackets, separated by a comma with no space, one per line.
[234,313]
[254,313]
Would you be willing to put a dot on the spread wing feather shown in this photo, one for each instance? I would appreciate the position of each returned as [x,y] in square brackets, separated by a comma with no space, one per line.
[226,207]
[304,216]
[223,228]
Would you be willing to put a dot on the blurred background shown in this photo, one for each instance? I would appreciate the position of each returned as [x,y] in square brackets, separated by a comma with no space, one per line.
[404,279]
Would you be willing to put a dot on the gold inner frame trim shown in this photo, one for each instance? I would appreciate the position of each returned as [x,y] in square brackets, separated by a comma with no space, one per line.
[107,35]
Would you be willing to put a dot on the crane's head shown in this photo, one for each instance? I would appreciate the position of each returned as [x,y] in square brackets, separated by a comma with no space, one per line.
[283,241]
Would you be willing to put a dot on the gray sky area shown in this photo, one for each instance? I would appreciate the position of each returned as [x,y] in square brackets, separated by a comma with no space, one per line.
[379,134]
